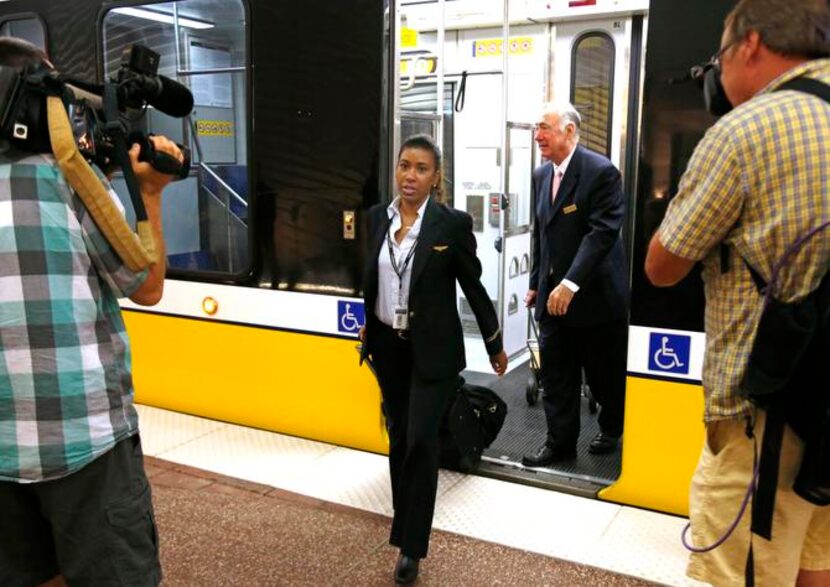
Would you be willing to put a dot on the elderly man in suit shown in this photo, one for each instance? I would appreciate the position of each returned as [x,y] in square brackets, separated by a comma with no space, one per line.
[579,286]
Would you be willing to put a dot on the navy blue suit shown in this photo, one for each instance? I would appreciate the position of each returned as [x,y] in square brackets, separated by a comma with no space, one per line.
[577,237]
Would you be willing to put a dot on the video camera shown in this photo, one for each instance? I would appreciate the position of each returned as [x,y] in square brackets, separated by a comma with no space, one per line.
[99,113]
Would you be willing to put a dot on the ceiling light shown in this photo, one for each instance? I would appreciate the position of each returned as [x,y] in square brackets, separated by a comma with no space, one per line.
[164,17]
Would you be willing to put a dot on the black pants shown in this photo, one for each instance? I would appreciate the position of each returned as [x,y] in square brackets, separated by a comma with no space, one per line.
[413,408]
[565,351]
[95,526]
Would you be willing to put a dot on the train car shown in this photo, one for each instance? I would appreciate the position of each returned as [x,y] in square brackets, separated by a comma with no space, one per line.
[299,110]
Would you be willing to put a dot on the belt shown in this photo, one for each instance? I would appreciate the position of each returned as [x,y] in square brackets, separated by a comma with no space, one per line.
[402,334]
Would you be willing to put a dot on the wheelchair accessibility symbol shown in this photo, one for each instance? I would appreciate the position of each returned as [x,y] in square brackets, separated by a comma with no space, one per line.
[668,352]
[350,316]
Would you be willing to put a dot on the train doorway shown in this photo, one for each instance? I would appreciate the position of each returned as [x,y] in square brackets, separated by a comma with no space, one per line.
[483,86]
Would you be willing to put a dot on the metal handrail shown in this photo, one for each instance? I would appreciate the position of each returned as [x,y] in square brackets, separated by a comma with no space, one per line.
[230,190]
[193,72]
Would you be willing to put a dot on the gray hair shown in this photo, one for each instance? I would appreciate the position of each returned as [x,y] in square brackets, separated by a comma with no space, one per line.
[792,28]
[566,112]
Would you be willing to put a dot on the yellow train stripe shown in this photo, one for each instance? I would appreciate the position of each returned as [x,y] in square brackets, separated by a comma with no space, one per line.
[663,436]
[293,383]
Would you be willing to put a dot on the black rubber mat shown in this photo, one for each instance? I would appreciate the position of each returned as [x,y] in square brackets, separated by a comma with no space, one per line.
[525,430]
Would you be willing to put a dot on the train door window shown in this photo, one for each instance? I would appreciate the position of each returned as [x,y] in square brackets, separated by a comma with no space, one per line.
[592,89]
[418,116]
[202,45]
[29,28]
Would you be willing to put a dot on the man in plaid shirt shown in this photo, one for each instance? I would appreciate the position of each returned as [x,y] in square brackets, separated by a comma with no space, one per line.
[756,182]
[74,500]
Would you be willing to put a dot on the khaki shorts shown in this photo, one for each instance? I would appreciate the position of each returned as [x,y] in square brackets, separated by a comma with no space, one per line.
[800,530]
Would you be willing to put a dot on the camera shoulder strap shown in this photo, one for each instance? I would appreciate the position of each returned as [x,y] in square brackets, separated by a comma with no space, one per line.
[137,251]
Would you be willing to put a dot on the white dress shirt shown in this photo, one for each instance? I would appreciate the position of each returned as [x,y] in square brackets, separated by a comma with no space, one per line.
[563,168]
[393,290]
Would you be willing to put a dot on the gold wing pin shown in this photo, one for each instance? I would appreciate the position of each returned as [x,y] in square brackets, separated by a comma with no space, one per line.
[440,248]
[569,209]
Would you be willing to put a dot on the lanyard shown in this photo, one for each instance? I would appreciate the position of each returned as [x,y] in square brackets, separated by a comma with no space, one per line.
[400,269]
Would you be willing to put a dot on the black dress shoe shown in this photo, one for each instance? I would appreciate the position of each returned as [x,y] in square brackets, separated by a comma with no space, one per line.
[603,444]
[406,571]
[548,455]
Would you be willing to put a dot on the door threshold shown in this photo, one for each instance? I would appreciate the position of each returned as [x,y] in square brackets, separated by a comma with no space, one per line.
[542,477]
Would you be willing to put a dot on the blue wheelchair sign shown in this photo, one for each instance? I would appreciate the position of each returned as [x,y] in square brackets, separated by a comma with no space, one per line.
[350,316]
[669,352]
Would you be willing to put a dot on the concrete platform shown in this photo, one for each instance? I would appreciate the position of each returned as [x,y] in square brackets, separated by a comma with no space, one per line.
[218,530]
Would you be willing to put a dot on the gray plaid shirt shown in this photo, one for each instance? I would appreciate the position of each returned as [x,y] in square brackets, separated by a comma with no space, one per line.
[66,393]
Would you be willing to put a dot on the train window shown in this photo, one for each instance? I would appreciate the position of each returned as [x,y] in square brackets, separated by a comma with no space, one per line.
[31,29]
[591,89]
[418,106]
[202,44]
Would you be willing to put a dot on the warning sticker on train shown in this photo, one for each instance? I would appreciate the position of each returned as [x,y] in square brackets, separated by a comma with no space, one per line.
[214,128]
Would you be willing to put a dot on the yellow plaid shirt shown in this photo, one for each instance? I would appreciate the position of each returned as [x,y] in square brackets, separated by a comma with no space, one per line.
[758,180]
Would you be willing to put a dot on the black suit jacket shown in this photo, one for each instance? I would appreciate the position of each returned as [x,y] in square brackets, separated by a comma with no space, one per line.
[577,237]
[446,252]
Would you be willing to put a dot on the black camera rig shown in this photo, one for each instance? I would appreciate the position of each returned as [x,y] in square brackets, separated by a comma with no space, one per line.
[99,113]
[33,117]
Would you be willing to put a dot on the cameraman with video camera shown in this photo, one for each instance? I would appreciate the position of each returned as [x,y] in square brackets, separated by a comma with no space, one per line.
[74,497]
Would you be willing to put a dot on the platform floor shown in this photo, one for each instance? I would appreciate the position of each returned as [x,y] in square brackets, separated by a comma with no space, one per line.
[239,506]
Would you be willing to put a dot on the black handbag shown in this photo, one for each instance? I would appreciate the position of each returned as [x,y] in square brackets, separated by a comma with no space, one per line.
[471,423]
[490,410]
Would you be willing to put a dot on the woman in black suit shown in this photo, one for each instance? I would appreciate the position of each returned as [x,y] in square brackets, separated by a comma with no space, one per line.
[420,248]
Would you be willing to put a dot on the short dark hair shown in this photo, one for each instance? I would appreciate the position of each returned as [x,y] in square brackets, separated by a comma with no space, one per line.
[15,52]
[426,143]
[793,28]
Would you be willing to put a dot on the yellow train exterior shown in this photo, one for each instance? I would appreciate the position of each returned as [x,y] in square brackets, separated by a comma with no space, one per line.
[299,384]
[340,403]
[299,109]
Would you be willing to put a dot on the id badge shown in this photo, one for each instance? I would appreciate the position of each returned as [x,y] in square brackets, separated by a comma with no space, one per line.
[401,319]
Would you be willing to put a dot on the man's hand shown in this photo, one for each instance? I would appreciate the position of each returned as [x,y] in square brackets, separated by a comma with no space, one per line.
[499,362]
[559,300]
[361,334]
[530,298]
[152,182]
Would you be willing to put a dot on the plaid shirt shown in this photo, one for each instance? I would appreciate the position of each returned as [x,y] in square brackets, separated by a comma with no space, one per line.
[65,385]
[757,182]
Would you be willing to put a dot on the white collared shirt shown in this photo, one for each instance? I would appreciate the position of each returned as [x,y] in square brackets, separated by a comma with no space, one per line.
[563,167]
[390,287]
